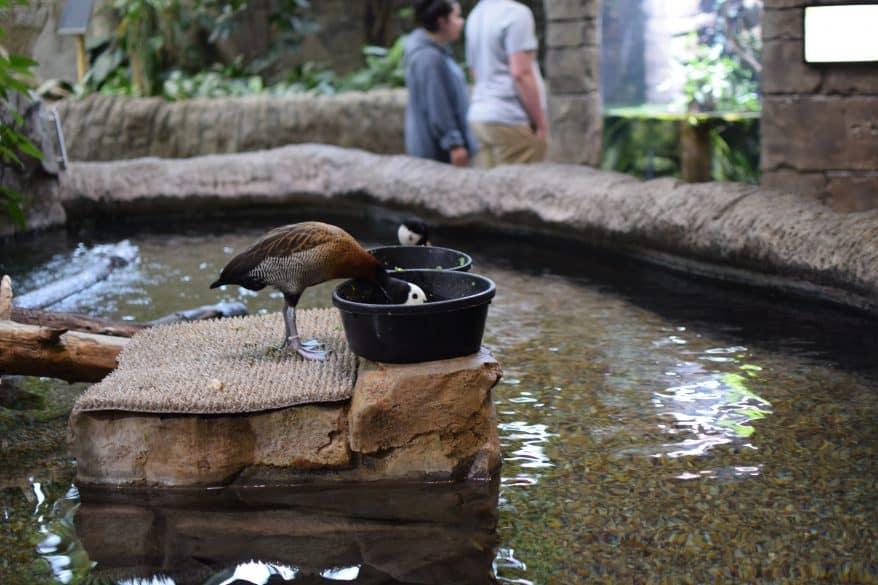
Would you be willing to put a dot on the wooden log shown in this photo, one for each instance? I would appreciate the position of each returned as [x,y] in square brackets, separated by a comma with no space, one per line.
[31,350]
[5,298]
[106,261]
[76,322]
[79,322]
[216,311]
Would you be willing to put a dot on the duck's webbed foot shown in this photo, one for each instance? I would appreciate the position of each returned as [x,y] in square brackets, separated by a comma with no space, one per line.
[310,349]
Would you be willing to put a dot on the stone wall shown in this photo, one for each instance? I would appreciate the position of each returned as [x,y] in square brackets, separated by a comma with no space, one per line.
[102,128]
[819,122]
[573,79]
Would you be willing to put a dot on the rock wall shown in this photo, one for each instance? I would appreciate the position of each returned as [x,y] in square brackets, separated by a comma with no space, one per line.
[819,122]
[35,180]
[573,79]
[102,128]
[730,231]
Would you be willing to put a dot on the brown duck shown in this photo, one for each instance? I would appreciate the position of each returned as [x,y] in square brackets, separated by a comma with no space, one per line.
[293,257]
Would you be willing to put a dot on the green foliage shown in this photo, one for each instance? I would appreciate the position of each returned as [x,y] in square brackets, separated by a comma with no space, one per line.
[643,147]
[649,147]
[14,73]
[721,60]
[156,38]
[718,82]
[384,68]
[735,148]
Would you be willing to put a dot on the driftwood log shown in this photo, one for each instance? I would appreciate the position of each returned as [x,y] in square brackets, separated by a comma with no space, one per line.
[86,323]
[72,347]
[75,322]
[31,350]
[105,262]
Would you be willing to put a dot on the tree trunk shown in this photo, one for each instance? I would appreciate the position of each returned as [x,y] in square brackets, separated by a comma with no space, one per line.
[32,350]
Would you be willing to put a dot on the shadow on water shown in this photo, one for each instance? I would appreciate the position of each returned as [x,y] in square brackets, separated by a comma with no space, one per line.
[363,533]
[771,320]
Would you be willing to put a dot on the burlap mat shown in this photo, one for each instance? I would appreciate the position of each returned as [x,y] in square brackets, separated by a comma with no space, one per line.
[226,366]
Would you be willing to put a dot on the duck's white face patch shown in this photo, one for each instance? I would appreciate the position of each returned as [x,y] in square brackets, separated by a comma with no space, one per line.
[416,296]
[407,237]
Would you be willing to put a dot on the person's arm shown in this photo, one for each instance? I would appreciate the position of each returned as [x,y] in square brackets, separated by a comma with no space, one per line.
[521,66]
[441,117]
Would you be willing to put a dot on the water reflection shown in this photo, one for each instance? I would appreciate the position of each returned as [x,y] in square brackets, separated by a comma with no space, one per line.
[60,546]
[711,408]
[364,533]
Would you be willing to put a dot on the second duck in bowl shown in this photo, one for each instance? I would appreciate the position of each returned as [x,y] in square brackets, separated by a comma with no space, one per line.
[422,257]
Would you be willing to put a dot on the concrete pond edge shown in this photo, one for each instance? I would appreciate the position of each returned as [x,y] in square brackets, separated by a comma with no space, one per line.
[726,231]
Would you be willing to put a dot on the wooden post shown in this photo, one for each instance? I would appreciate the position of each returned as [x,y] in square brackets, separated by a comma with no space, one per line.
[5,298]
[81,60]
[696,158]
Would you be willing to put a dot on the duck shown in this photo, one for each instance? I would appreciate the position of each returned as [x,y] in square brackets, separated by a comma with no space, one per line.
[413,231]
[293,257]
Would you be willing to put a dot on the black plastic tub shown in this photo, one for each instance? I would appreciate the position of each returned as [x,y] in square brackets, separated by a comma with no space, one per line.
[450,324]
[426,257]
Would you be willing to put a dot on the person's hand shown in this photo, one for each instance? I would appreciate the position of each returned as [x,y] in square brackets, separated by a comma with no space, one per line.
[542,132]
[459,156]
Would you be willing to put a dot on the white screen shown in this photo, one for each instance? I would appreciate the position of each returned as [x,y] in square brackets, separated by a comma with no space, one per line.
[839,34]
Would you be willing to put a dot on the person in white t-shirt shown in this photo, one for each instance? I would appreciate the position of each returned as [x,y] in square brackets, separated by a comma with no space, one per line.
[508,106]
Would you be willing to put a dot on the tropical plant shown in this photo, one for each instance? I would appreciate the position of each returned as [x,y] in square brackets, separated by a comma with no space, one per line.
[14,73]
[155,38]
[384,68]
[716,81]
[721,60]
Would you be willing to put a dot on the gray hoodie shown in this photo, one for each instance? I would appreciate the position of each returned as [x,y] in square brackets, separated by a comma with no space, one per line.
[435,117]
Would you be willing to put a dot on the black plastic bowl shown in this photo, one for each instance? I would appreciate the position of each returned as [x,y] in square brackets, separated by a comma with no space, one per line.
[427,257]
[450,324]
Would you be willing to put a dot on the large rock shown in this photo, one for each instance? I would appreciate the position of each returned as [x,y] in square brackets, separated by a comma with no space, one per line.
[124,448]
[425,420]
[35,180]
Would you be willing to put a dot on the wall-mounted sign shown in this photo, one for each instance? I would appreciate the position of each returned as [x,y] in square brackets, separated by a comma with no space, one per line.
[843,33]
[75,17]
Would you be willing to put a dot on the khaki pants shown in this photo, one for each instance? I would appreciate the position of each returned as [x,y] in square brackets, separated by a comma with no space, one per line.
[506,145]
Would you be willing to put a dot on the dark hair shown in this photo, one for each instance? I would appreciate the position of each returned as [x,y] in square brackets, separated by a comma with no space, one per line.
[428,12]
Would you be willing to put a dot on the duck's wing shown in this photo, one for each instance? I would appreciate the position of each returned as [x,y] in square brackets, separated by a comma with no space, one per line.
[281,242]
[296,238]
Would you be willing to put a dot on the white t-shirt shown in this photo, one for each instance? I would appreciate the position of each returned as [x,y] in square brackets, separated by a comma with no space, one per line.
[494,30]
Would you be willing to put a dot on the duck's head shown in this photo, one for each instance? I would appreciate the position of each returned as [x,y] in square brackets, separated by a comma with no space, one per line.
[400,292]
[413,232]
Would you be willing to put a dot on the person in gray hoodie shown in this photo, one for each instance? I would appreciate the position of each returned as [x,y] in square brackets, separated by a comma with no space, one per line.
[435,117]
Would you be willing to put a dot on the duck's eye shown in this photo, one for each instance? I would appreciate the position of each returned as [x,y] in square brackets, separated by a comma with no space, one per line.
[414,296]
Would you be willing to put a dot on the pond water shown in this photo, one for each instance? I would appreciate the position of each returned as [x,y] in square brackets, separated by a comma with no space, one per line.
[654,428]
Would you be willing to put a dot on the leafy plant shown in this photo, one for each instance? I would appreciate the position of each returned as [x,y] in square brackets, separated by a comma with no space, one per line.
[14,73]
[648,147]
[384,68]
[157,40]
[721,60]
[717,81]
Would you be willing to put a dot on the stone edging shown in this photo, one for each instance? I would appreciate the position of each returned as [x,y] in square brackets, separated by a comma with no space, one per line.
[726,230]
[104,128]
